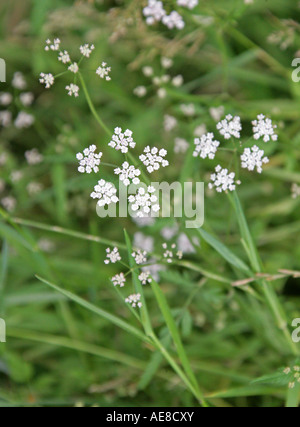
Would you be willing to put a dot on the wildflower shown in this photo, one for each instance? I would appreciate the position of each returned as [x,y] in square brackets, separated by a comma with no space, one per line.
[5,118]
[206,146]
[5,98]
[145,278]
[142,242]
[169,123]
[264,128]
[166,62]
[88,160]
[154,12]
[105,192]
[46,245]
[145,221]
[119,280]
[200,131]
[287,371]
[177,81]
[217,112]
[18,81]
[140,91]
[184,244]
[161,93]
[190,4]
[122,141]
[64,57]
[33,157]
[148,71]
[128,173]
[9,203]
[153,159]
[169,254]
[3,158]
[73,90]
[222,180]
[55,45]
[169,232]
[24,120]
[140,257]
[47,80]
[188,109]
[134,300]
[34,188]
[103,71]
[86,50]
[295,191]
[26,98]
[144,202]
[230,126]
[181,146]
[254,158]
[154,270]
[174,20]
[292,385]
[112,256]
[74,68]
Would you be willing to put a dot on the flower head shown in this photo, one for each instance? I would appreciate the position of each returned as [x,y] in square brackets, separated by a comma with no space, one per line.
[230,126]
[105,192]
[134,300]
[206,146]
[53,45]
[73,90]
[103,71]
[5,98]
[122,140]
[89,160]
[74,68]
[171,252]
[64,57]
[33,157]
[140,257]
[264,128]
[144,202]
[254,158]
[190,4]
[24,120]
[112,256]
[154,158]
[154,11]
[47,80]
[174,20]
[222,180]
[145,278]
[128,173]
[119,280]
[86,50]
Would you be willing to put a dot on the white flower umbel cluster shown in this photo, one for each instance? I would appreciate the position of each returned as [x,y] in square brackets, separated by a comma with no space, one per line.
[145,278]
[206,146]
[181,145]
[264,128]
[86,50]
[24,120]
[134,300]
[128,174]
[64,57]
[105,192]
[122,141]
[295,191]
[155,12]
[144,202]
[112,256]
[33,157]
[140,257]
[190,4]
[73,90]
[52,45]
[153,159]
[254,158]
[89,160]
[119,280]
[47,80]
[230,126]
[222,180]
[171,253]
[103,72]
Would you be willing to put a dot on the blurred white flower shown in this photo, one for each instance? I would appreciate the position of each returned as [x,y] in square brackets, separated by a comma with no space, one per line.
[169,232]
[113,256]
[140,257]
[134,300]
[230,126]
[188,109]
[181,146]
[105,192]
[174,20]
[47,80]
[178,81]
[89,160]
[144,202]
[119,280]
[169,123]
[217,113]
[145,278]
[64,57]
[254,158]
[128,173]
[153,159]
[190,4]
[264,128]
[86,50]
[142,242]
[5,98]
[18,81]
[148,71]
[184,244]
[34,188]
[166,62]
[27,98]
[140,91]
[9,203]
[206,146]
[52,45]
[295,191]
[222,180]
[5,118]
[24,120]
[154,11]
[103,71]
[200,131]
[46,245]
[73,90]
[162,93]
[33,157]
[122,141]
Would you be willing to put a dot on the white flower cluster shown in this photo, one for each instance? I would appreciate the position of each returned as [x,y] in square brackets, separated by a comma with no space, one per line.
[128,173]
[144,202]
[47,80]
[222,180]
[170,253]
[174,20]
[53,45]
[134,300]
[105,192]
[230,126]
[140,257]
[119,280]
[154,158]
[145,278]
[294,374]
[73,89]
[264,128]
[33,157]
[190,4]
[254,158]
[89,161]
[206,146]
[113,256]
[295,191]
[122,141]
[155,12]
[103,71]
[86,50]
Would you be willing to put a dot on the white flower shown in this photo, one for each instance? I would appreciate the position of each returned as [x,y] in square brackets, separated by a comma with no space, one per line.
[145,221]
[74,68]
[166,62]
[148,71]
[5,118]
[169,253]
[119,280]
[184,244]
[169,232]
[73,90]
[47,80]
[154,159]
[222,180]
[154,270]
[145,278]
[89,161]
[169,123]
[46,245]
[5,98]
[112,256]
[16,176]
[9,203]
[19,81]
[178,81]
[188,109]
[134,300]
[161,93]
[33,157]
[140,257]
[103,71]
[64,57]
[190,4]
[128,173]
[24,120]
[55,45]
[154,12]
[200,131]
[206,146]
[105,192]
[295,191]
[26,98]
[144,202]
[145,243]
[217,113]
[174,20]
[254,158]
[140,91]
[86,50]
[230,126]
[34,188]
[122,141]
[264,128]
[181,146]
